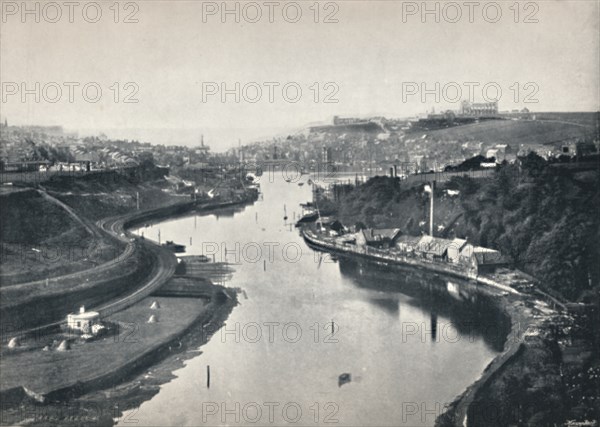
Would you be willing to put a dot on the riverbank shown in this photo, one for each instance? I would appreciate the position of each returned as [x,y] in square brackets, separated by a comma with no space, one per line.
[54,375]
[532,335]
[385,256]
[47,302]
[548,376]
[57,376]
[524,323]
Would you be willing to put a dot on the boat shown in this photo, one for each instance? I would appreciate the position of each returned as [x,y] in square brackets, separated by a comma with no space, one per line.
[175,247]
[309,214]
[307,218]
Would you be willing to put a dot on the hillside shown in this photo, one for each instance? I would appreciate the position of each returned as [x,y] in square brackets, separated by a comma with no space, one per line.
[40,239]
[515,132]
[44,219]
[385,202]
[544,219]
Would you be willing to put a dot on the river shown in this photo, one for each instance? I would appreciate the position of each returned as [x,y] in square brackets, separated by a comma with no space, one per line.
[411,342]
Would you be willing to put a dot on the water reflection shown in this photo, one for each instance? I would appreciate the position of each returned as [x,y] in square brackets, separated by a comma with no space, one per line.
[472,312]
[394,329]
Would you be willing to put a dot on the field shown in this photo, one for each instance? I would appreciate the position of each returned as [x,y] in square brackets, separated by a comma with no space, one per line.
[53,370]
[519,132]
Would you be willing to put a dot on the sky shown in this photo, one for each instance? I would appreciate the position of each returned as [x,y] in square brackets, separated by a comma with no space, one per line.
[387,58]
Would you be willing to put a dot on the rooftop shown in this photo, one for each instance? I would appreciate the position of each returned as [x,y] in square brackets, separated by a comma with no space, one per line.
[86,315]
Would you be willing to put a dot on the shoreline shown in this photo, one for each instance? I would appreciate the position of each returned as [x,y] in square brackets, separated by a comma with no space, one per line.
[91,290]
[509,300]
[19,403]
[380,256]
[157,350]
[457,412]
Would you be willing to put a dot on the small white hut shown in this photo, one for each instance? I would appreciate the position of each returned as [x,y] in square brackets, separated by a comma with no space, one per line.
[83,321]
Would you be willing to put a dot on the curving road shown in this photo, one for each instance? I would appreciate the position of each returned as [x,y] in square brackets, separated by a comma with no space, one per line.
[163,264]
[163,267]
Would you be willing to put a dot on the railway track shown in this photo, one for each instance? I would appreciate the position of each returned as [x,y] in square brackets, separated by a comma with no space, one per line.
[163,266]
[163,263]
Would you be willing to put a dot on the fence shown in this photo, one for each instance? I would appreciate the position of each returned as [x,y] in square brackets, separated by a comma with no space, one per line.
[37,177]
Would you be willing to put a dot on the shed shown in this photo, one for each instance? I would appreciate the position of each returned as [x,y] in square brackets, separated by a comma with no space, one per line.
[83,321]
[454,249]
[407,243]
[487,260]
[378,237]
[434,247]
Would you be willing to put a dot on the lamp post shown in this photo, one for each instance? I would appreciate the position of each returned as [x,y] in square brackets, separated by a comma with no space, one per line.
[429,188]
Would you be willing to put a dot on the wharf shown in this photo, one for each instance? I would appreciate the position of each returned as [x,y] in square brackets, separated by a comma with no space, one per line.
[389,257]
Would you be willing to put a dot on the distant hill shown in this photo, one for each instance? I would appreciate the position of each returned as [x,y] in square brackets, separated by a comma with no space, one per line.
[366,127]
[549,128]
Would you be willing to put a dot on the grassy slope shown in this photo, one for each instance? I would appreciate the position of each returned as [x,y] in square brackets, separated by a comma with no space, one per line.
[40,240]
[110,195]
[26,217]
[513,132]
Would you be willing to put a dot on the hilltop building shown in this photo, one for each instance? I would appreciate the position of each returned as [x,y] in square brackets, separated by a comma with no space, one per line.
[337,120]
[478,109]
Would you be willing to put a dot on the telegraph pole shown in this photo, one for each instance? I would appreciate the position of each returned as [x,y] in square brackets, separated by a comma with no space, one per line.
[431,209]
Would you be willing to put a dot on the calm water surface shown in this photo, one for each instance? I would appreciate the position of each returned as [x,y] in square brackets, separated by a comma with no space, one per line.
[411,342]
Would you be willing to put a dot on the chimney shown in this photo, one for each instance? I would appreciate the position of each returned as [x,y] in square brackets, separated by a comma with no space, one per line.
[82,309]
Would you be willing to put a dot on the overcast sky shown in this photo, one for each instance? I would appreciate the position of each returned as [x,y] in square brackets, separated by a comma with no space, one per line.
[371,57]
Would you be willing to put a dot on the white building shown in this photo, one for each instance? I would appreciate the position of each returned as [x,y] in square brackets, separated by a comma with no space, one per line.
[83,321]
